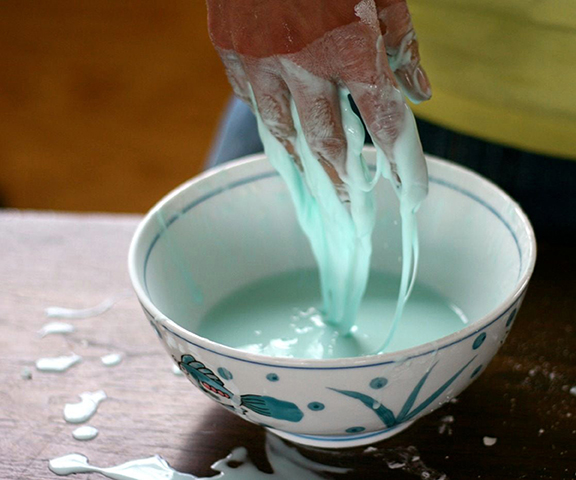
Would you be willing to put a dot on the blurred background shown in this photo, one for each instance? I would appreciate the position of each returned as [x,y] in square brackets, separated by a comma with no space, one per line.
[106,105]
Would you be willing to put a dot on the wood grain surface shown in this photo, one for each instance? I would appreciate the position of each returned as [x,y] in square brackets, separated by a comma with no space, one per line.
[105,105]
[522,399]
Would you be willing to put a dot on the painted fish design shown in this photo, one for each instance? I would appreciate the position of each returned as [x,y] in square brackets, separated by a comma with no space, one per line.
[212,385]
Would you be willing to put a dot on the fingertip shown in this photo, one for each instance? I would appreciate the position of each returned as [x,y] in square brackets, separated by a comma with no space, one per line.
[423,83]
[415,84]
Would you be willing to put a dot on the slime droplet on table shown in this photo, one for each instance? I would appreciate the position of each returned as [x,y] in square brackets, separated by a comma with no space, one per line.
[62,312]
[112,359]
[55,328]
[85,409]
[85,433]
[489,441]
[286,462]
[57,364]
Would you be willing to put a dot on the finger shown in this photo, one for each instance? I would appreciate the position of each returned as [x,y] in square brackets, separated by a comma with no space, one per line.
[375,91]
[390,122]
[402,49]
[236,75]
[363,67]
[318,106]
[273,100]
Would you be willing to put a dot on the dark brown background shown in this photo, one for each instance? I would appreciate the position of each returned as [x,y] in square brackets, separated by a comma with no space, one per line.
[104,105]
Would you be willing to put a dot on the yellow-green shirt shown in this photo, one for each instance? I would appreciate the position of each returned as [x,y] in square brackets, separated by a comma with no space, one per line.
[501,70]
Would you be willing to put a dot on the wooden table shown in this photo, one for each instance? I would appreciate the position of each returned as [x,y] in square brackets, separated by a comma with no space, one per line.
[522,399]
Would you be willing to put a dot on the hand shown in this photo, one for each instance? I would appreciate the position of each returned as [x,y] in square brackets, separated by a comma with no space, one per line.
[304,50]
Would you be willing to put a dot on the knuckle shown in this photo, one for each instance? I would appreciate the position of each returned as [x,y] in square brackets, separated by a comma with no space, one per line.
[387,121]
[329,148]
[323,131]
[405,53]
[281,131]
[275,115]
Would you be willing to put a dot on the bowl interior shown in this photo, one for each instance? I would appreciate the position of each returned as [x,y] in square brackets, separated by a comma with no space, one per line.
[235,226]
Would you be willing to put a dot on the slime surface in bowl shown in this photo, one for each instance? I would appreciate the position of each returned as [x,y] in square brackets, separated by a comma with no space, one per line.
[276,316]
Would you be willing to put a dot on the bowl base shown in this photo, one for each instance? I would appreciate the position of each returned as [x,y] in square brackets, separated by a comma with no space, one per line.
[341,441]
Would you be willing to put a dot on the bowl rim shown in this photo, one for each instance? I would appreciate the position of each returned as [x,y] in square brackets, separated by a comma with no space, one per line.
[332,363]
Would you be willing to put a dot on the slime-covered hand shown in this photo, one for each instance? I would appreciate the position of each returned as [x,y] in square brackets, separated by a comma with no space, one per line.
[276,51]
[294,62]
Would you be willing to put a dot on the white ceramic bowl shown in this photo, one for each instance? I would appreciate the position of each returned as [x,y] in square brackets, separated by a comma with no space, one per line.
[235,224]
